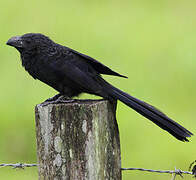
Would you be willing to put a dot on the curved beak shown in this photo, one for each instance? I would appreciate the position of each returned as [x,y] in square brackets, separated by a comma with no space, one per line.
[15,41]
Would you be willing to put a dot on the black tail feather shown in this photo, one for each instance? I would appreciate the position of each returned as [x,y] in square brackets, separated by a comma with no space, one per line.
[152,114]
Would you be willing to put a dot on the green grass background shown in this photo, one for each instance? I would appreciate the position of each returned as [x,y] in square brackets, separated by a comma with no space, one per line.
[152,42]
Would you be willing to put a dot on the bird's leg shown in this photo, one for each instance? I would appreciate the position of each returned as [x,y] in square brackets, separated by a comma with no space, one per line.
[59,98]
[54,98]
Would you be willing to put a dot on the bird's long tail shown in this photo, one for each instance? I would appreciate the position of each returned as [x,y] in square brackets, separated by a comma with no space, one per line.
[151,113]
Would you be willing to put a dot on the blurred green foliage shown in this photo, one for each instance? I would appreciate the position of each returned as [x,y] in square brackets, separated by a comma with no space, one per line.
[152,42]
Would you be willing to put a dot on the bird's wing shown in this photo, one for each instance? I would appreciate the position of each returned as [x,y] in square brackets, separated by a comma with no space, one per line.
[80,77]
[99,67]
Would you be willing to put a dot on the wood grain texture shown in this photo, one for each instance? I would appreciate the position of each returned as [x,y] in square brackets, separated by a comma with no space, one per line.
[78,140]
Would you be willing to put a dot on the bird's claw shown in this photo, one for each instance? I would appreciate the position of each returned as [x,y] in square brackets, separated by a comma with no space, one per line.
[57,99]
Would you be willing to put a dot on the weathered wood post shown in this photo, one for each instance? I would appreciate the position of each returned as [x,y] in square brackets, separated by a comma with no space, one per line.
[78,140]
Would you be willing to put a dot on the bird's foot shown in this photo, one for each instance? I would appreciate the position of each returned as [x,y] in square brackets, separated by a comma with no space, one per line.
[54,98]
[57,99]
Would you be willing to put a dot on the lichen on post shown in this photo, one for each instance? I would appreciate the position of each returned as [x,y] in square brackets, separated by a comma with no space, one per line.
[78,140]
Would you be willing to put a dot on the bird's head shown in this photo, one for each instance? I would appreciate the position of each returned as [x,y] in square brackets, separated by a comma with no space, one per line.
[29,42]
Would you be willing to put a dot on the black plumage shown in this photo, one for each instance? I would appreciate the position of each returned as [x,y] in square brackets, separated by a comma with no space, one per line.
[72,73]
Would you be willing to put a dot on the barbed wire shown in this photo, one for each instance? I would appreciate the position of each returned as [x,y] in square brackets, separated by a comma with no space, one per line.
[176,171]
[173,172]
[18,165]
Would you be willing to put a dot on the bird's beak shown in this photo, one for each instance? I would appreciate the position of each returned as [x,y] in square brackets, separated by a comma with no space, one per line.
[15,41]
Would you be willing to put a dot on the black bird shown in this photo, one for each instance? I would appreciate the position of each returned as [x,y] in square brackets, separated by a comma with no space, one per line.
[72,73]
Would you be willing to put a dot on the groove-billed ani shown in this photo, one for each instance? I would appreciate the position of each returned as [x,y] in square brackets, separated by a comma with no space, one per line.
[72,73]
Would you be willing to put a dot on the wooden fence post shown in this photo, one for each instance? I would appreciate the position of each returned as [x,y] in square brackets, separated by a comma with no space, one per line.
[78,141]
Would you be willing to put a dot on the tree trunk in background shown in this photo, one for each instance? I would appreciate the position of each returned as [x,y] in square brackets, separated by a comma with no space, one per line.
[78,140]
